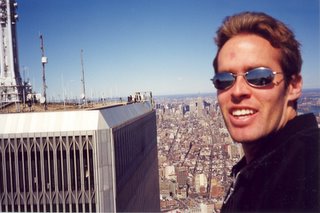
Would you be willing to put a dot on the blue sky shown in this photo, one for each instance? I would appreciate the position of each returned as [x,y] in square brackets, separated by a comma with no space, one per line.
[163,46]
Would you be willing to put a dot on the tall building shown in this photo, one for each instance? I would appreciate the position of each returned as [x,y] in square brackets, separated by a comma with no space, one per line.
[102,160]
[182,176]
[200,182]
[10,80]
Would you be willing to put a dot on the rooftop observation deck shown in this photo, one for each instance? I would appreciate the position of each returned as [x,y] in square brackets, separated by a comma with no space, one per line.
[53,107]
[19,107]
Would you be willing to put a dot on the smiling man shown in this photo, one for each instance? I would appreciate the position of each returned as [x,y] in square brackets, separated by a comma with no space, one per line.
[258,81]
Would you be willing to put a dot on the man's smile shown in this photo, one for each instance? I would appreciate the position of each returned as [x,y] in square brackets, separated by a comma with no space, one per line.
[242,112]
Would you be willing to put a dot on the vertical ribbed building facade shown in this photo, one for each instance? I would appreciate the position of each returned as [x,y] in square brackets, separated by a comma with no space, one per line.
[102,160]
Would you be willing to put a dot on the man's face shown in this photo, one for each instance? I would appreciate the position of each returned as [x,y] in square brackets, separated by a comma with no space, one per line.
[252,113]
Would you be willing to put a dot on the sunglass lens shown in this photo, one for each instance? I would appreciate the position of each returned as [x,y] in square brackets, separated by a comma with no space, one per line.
[260,77]
[223,80]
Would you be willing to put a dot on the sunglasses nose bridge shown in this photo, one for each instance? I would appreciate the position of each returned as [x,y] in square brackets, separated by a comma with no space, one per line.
[243,82]
[235,76]
[238,74]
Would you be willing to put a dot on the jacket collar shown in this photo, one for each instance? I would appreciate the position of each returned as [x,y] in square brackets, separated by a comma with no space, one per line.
[272,142]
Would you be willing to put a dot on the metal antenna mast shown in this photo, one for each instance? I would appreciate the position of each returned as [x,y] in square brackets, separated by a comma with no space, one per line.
[83,95]
[44,61]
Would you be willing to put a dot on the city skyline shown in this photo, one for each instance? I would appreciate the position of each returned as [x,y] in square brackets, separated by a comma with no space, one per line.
[166,47]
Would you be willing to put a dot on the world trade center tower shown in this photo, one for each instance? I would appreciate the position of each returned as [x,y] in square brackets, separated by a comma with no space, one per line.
[98,160]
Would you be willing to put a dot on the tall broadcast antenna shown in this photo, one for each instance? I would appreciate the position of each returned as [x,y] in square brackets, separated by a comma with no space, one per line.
[44,61]
[83,95]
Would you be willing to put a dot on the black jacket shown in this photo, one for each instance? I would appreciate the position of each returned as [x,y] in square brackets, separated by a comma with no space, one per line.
[285,175]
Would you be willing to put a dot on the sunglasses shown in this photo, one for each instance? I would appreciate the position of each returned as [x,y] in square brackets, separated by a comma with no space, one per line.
[257,77]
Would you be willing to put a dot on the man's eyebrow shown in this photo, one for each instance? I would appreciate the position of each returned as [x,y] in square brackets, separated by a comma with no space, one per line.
[244,69]
[248,68]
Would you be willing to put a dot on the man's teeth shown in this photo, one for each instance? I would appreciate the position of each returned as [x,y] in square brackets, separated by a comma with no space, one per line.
[242,112]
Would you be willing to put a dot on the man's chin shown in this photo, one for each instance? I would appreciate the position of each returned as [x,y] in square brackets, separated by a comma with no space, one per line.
[240,137]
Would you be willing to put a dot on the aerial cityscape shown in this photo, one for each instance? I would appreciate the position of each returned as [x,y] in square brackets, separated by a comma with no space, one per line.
[118,150]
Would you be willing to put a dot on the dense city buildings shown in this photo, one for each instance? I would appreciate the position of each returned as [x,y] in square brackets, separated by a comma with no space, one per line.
[196,152]
[310,102]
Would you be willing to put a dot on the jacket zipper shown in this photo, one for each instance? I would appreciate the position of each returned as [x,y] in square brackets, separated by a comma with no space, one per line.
[232,188]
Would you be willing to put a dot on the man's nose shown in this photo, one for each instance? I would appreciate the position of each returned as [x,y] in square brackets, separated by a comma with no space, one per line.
[240,87]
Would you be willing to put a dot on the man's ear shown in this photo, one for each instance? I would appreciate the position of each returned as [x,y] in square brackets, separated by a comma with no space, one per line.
[295,87]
